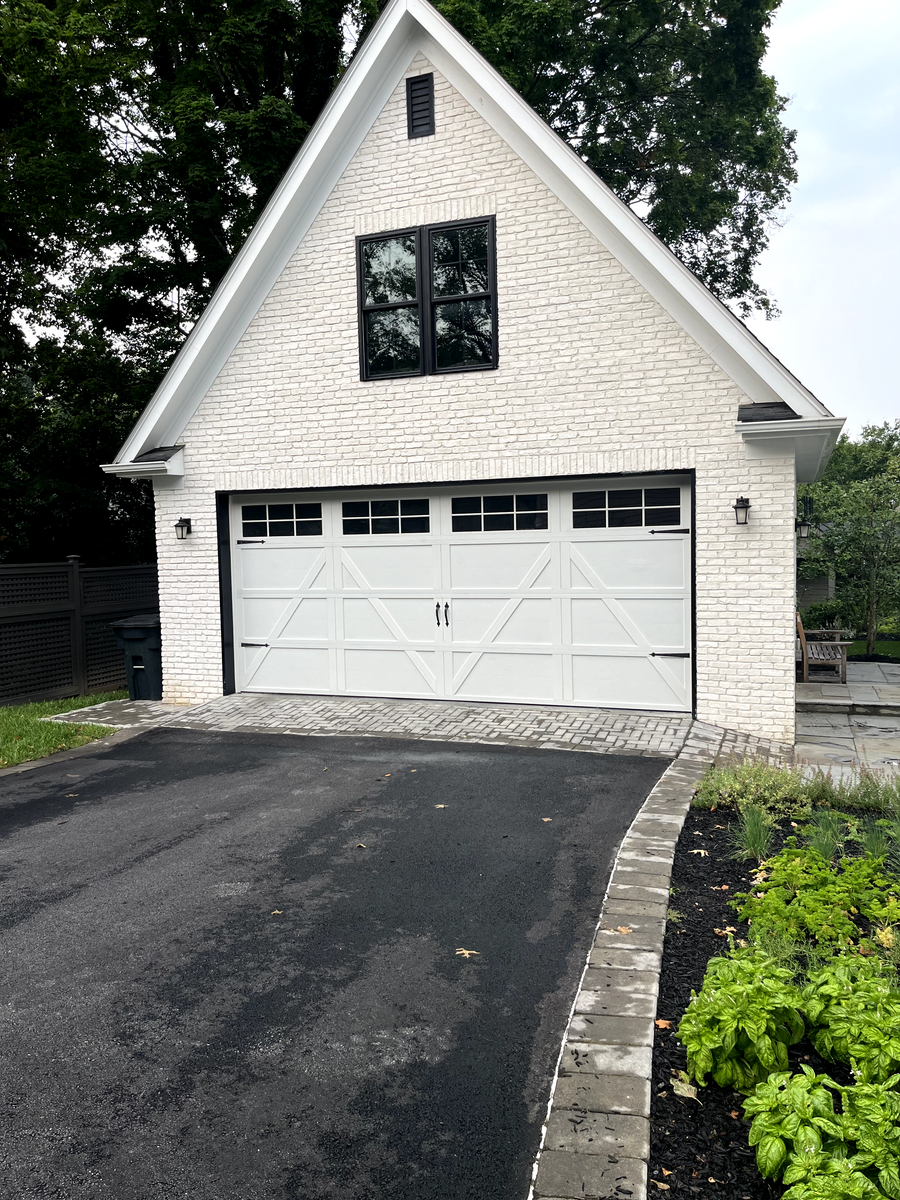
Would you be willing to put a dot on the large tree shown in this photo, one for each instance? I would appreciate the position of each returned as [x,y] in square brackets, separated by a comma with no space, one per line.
[856,531]
[140,139]
[667,101]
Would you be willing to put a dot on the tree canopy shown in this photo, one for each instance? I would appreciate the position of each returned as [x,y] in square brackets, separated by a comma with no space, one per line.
[856,532]
[139,142]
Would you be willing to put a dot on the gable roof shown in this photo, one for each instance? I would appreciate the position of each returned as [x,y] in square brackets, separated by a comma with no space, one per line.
[405,28]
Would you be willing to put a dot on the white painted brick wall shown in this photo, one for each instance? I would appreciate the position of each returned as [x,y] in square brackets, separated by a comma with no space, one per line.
[594,378]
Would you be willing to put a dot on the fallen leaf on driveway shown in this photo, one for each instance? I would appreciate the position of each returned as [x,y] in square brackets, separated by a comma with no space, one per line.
[466,953]
[277,912]
[546,818]
[624,929]
[440,806]
[360,845]
[705,853]
[663,1024]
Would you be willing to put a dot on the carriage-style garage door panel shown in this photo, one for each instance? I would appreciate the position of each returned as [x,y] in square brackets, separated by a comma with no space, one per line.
[572,595]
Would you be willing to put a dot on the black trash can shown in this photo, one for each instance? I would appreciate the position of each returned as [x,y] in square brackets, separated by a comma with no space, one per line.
[139,638]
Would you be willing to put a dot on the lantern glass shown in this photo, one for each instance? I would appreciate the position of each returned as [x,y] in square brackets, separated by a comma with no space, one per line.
[803,527]
[741,508]
[182,528]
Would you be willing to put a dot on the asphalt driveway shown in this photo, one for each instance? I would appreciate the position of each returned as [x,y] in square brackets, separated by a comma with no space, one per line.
[230,964]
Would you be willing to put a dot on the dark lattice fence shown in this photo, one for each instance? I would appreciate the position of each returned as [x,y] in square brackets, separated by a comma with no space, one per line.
[55,638]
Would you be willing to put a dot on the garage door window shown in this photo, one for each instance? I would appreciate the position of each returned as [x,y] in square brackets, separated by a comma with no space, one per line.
[385,516]
[625,508]
[281,520]
[488,514]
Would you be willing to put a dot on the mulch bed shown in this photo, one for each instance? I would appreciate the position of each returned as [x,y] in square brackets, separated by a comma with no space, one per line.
[699,1148]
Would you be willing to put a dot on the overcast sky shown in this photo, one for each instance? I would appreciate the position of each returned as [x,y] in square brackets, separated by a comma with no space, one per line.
[834,266]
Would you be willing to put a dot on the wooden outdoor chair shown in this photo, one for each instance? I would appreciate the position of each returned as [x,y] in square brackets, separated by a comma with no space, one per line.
[825,651]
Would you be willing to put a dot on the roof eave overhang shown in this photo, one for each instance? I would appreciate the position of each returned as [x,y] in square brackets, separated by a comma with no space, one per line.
[405,27]
[154,469]
[808,442]
[294,205]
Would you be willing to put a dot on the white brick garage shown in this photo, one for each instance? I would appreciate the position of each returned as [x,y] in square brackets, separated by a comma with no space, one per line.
[611,361]
[572,593]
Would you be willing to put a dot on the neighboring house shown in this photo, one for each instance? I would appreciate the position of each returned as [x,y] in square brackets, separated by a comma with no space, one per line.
[457,425]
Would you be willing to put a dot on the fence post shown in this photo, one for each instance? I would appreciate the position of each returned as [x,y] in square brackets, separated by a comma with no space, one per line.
[79,649]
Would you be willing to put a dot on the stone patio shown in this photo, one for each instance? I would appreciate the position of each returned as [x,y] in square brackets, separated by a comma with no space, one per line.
[871,688]
[842,727]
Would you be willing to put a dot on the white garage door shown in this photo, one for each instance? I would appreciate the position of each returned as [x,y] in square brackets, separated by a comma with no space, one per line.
[576,594]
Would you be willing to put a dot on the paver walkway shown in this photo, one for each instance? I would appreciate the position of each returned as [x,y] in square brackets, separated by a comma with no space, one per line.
[596,730]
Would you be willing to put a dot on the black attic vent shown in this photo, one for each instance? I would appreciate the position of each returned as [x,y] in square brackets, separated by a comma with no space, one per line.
[420,106]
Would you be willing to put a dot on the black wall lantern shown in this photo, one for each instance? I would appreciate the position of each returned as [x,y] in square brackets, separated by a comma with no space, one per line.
[803,523]
[182,528]
[741,508]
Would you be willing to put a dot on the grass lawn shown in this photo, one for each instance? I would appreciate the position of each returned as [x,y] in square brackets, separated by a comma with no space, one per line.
[887,649]
[24,736]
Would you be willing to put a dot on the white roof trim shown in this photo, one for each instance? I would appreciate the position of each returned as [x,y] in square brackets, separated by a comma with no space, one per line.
[809,442]
[405,28]
[154,468]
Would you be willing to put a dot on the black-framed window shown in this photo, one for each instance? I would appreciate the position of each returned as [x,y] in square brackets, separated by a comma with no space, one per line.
[385,516]
[428,302]
[624,508]
[281,520]
[489,514]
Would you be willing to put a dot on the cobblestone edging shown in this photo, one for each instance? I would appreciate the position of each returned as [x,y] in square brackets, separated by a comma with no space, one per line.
[597,1137]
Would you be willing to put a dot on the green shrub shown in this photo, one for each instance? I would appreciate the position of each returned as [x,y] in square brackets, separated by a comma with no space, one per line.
[871,1119]
[795,1129]
[801,897]
[739,1026]
[824,615]
[822,1154]
[853,1010]
[864,790]
[779,791]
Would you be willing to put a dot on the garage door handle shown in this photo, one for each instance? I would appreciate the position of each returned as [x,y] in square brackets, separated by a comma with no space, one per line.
[653,654]
[259,645]
[437,612]
[250,541]
[446,615]
[669,531]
